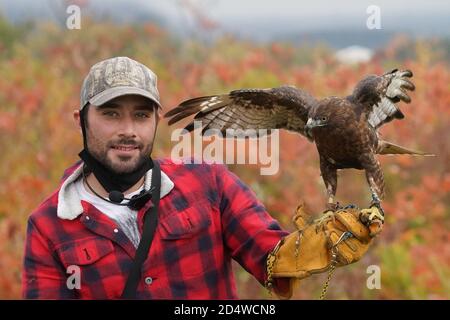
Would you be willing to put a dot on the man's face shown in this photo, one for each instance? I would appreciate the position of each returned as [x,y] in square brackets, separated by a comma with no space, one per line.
[120,133]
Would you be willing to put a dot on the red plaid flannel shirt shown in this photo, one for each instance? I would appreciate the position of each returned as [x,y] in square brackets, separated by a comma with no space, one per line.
[208,218]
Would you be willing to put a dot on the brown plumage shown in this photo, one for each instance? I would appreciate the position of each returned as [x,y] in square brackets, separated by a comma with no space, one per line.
[344,129]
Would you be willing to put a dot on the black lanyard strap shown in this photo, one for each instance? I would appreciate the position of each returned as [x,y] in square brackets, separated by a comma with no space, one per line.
[148,232]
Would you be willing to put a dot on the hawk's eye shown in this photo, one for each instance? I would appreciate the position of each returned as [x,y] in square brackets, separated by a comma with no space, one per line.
[324,119]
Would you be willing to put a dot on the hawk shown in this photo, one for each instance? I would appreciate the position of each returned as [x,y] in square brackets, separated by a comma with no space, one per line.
[345,130]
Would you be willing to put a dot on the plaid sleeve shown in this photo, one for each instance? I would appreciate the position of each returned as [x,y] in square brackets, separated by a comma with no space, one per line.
[43,276]
[250,232]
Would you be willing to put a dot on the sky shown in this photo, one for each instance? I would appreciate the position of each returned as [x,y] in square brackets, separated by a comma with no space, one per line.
[263,19]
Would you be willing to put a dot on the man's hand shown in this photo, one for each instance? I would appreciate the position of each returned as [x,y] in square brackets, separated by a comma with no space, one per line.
[317,246]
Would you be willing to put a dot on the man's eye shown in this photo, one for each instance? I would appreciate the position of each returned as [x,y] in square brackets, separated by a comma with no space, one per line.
[111,113]
[143,115]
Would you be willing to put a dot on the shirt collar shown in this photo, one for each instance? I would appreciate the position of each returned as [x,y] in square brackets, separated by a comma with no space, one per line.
[69,202]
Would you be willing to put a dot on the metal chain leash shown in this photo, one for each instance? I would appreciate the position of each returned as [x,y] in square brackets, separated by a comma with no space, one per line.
[270,262]
[269,281]
[330,274]
[333,262]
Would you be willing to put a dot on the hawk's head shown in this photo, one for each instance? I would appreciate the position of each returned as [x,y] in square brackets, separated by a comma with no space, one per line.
[318,117]
[313,123]
[329,113]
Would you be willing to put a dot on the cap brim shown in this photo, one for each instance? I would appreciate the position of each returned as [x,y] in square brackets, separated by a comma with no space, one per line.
[115,92]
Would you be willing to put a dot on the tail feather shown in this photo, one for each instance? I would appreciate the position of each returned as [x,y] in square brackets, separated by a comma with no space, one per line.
[385,147]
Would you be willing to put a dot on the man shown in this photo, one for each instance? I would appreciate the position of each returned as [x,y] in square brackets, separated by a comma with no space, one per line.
[82,240]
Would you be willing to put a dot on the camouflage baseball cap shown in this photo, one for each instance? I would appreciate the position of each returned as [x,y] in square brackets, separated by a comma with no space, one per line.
[115,77]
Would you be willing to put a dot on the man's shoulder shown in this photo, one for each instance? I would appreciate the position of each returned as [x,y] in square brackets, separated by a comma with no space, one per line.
[71,170]
[48,207]
[188,165]
[194,177]
[47,210]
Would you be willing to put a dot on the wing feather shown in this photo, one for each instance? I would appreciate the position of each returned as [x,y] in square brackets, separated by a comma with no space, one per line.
[284,107]
[377,96]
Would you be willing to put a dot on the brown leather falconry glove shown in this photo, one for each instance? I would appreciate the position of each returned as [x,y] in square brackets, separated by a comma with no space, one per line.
[318,246]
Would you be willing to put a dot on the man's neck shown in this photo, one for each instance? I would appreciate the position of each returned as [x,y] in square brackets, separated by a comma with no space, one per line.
[97,187]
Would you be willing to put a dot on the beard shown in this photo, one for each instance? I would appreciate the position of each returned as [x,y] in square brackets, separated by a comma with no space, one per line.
[120,164]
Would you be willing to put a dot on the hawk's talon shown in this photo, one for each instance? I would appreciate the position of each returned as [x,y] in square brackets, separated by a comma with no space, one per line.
[377,204]
[375,212]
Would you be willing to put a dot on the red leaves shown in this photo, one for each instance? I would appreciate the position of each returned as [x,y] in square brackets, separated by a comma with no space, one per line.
[40,86]
[7,122]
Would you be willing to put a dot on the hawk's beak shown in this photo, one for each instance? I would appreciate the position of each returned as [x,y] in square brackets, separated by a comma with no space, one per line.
[308,129]
[310,125]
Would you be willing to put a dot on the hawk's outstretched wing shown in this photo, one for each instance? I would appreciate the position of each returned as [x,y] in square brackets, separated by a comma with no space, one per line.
[284,107]
[378,95]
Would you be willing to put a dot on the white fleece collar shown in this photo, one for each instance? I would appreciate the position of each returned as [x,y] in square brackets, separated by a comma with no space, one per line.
[69,202]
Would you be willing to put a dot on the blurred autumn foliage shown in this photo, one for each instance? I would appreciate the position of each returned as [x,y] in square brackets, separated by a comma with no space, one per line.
[41,71]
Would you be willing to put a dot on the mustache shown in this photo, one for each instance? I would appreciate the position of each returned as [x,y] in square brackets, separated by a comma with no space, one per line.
[126,142]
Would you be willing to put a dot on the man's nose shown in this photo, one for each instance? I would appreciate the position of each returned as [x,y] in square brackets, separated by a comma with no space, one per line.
[127,126]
